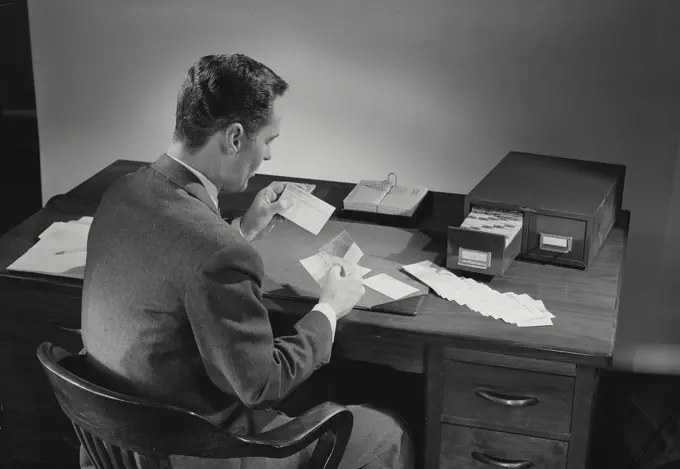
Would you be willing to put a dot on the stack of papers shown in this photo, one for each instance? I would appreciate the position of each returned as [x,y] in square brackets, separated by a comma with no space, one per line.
[384,197]
[512,308]
[340,250]
[505,222]
[308,212]
[366,196]
[61,250]
[402,201]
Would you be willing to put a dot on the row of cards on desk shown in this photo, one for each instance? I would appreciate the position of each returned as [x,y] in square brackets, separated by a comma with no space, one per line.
[519,309]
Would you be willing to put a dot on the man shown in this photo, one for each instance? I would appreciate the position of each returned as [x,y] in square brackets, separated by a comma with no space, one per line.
[172,308]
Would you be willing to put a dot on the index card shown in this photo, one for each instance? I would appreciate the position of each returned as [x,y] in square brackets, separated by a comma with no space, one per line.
[512,308]
[344,247]
[320,263]
[388,286]
[306,187]
[308,212]
[440,280]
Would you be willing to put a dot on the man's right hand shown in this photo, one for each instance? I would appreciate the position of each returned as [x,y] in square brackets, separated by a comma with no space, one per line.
[342,289]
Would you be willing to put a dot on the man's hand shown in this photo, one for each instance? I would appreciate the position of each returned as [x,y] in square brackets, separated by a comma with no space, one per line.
[263,209]
[342,289]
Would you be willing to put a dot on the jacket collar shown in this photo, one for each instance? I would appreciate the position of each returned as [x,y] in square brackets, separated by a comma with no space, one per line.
[183,178]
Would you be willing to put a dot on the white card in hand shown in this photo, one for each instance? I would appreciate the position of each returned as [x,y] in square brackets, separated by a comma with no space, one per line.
[307,211]
[320,263]
[344,247]
[388,286]
[305,187]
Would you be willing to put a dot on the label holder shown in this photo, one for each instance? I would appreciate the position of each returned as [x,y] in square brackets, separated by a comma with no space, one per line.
[555,243]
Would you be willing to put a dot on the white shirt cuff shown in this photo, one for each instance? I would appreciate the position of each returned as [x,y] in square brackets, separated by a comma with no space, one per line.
[330,313]
[236,223]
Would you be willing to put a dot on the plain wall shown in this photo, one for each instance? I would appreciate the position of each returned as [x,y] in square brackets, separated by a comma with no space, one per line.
[437,91]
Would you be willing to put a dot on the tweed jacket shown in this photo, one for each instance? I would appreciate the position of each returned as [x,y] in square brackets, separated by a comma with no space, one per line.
[172,308]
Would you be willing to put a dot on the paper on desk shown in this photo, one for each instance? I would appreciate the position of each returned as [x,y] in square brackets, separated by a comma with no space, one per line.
[307,211]
[442,281]
[70,233]
[388,286]
[60,236]
[540,315]
[521,309]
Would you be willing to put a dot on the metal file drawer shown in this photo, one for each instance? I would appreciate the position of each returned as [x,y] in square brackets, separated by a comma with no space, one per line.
[528,401]
[550,237]
[480,252]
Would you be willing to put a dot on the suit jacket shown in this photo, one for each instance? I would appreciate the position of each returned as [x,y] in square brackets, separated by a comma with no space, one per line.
[172,308]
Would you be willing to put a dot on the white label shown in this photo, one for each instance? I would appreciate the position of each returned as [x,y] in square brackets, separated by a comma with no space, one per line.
[477,256]
[472,258]
[555,241]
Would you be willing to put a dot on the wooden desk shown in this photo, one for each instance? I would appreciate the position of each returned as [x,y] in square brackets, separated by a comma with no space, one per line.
[481,373]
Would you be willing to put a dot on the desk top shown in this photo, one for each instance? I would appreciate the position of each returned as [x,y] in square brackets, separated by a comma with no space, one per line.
[585,303]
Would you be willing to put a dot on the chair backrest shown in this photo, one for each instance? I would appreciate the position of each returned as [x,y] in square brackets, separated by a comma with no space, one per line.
[124,432]
[127,431]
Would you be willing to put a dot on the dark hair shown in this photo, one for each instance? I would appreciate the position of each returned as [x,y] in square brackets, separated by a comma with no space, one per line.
[220,90]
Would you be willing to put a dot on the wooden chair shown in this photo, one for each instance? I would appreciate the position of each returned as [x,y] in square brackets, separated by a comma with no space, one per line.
[124,432]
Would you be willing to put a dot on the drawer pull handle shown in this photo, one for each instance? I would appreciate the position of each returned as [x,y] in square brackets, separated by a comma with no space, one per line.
[504,399]
[473,258]
[61,327]
[500,462]
[555,243]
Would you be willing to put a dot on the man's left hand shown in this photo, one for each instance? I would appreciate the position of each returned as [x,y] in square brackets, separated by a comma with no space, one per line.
[263,209]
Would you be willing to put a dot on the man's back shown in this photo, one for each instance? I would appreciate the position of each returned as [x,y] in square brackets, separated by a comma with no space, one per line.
[172,308]
[147,240]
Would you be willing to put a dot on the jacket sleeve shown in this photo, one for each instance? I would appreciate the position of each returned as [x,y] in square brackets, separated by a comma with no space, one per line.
[234,336]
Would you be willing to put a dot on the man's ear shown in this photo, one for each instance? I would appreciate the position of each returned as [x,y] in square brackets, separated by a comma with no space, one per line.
[234,138]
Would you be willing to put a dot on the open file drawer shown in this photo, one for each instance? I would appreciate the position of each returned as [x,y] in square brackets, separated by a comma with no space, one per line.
[568,208]
[479,251]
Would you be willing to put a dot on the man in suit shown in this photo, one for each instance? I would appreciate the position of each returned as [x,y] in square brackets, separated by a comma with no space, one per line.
[172,307]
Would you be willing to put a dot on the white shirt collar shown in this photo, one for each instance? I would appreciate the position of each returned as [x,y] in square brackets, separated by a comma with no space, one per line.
[209,186]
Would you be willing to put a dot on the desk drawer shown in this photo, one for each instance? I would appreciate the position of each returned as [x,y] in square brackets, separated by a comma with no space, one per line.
[474,448]
[506,397]
[24,385]
[30,317]
[381,350]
